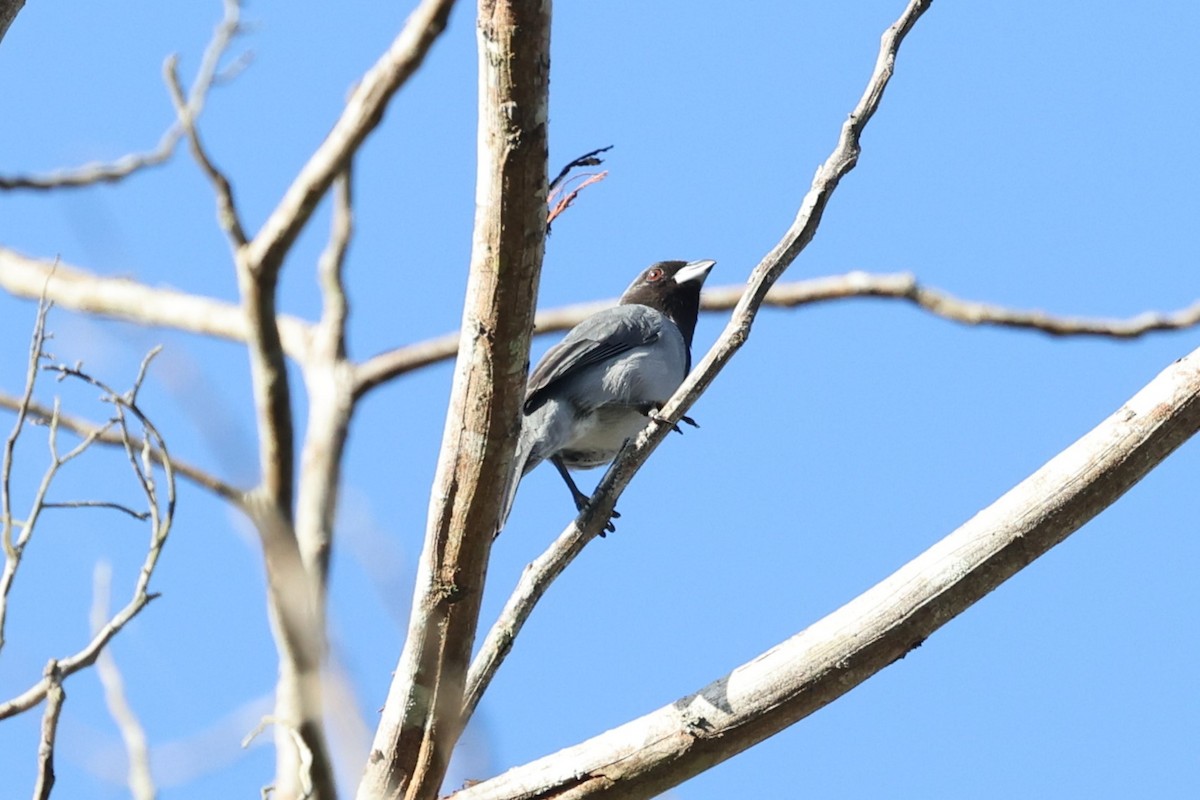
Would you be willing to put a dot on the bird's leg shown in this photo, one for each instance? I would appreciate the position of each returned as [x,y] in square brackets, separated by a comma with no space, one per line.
[582,501]
[652,410]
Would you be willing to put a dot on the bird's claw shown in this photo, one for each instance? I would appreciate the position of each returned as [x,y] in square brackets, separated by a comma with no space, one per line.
[583,503]
[661,420]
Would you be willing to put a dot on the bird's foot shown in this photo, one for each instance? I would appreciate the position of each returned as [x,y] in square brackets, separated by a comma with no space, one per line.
[654,413]
[583,503]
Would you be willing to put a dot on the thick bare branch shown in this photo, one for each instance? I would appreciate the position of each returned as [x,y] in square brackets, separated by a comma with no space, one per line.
[296,622]
[128,300]
[363,112]
[8,12]
[792,680]
[298,558]
[421,720]
[258,265]
[593,519]
[272,396]
[300,641]
[110,172]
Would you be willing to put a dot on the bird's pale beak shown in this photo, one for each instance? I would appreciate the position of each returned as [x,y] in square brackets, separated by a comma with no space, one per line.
[695,272]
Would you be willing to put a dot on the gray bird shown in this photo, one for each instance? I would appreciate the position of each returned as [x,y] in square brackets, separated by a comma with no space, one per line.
[595,389]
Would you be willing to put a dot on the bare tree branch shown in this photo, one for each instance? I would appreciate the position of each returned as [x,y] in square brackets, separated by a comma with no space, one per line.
[8,12]
[363,112]
[876,629]
[297,619]
[54,701]
[103,434]
[327,377]
[14,546]
[300,641]
[162,511]
[140,516]
[22,408]
[593,519]
[895,286]
[272,396]
[905,286]
[141,781]
[101,172]
[421,720]
[128,300]
[227,213]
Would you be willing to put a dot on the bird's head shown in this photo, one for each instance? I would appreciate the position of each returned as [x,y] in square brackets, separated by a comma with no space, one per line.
[672,287]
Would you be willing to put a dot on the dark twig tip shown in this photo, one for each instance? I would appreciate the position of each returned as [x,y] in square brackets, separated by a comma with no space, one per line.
[589,159]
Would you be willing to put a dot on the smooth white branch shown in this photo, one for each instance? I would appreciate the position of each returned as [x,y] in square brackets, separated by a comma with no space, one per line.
[829,658]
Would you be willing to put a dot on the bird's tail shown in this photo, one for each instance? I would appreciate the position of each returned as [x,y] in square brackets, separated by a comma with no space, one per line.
[521,464]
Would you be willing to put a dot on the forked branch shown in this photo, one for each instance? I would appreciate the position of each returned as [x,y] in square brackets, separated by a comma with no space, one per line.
[111,172]
[160,510]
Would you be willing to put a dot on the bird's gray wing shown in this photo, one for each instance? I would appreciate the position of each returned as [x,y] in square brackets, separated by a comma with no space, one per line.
[599,338]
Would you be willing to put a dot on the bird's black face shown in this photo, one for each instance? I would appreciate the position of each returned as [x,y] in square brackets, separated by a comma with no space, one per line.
[672,287]
[666,279]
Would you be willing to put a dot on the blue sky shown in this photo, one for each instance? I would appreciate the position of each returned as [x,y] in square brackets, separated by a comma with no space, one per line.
[1026,154]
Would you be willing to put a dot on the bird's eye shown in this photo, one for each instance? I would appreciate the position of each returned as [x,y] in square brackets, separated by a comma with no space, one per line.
[654,274]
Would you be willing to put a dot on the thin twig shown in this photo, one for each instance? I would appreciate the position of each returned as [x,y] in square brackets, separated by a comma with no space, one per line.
[227,213]
[560,204]
[589,159]
[14,547]
[905,286]
[111,172]
[591,522]
[331,330]
[16,550]
[555,200]
[140,516]
[141,781]
[104,435]
[22,408]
